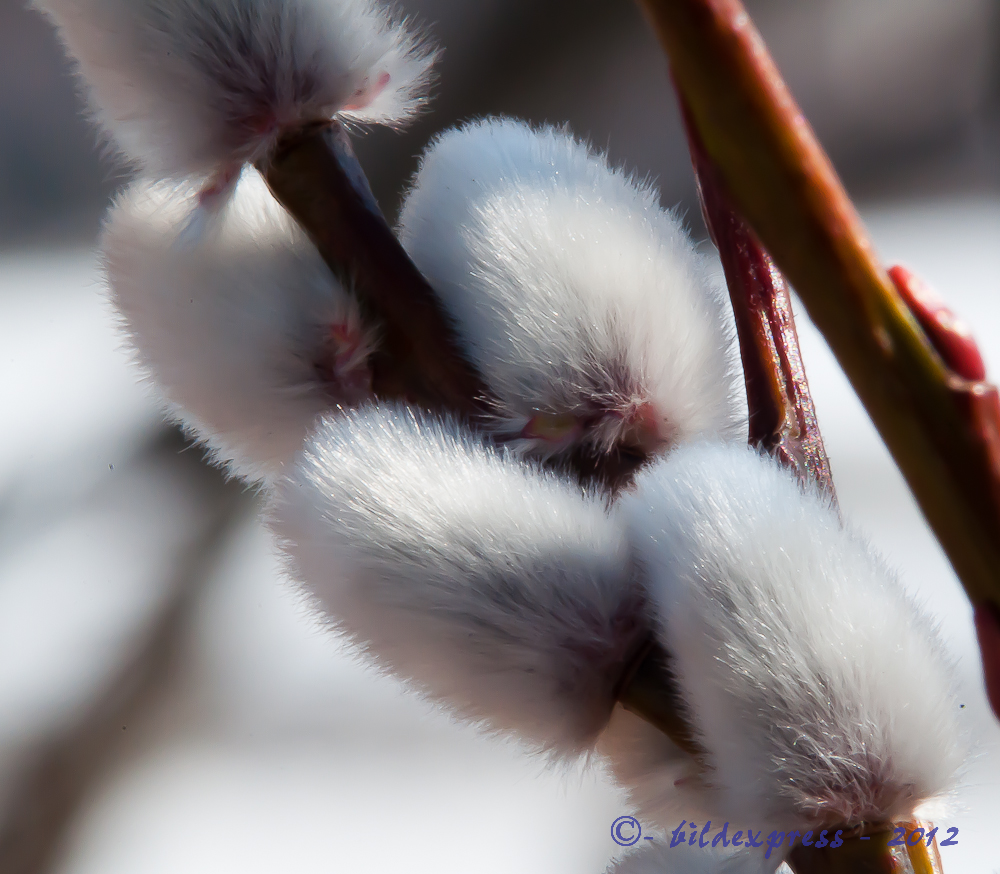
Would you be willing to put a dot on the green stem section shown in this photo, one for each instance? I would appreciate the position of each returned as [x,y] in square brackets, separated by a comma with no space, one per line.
[942,430]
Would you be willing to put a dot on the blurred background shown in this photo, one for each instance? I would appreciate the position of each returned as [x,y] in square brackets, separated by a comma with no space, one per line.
[166,703]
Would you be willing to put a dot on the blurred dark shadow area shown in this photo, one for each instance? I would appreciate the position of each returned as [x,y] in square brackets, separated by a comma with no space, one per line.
[903,93]
[52,183]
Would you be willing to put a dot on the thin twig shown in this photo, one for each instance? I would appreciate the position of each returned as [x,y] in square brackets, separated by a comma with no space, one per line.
[782,416]
[756,157]
[781,411]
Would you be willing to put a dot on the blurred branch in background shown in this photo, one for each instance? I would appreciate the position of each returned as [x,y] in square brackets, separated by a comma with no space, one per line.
[52,771]
[110,523]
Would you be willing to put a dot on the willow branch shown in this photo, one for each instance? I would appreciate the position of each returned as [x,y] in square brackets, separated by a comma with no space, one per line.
[317,178]
[942,429]
[782,416]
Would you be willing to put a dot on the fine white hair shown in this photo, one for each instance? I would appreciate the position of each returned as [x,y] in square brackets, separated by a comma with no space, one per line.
[190,87]
[497,588]
[575,294]
[235,317]
[820,694]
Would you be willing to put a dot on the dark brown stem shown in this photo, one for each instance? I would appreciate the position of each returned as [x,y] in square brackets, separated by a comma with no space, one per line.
[649,690]
[782,414]
[317,178]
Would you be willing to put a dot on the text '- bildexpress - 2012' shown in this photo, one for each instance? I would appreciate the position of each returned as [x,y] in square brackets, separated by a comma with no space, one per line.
[627,831]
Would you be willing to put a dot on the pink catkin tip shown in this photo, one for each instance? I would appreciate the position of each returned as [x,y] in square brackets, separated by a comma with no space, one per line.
[949,335]
[218,185]
[346,340]
[987,619]
[647,429]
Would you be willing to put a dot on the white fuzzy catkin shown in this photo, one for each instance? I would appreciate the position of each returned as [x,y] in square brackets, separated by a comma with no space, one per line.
[819,692]
[583,303]
[239,323]
[499,589]
[189,87]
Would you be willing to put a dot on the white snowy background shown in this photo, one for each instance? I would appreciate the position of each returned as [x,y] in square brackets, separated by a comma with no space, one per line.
[265,746]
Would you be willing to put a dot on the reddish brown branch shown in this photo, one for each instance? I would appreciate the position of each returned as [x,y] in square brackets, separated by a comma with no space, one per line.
[782,415]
